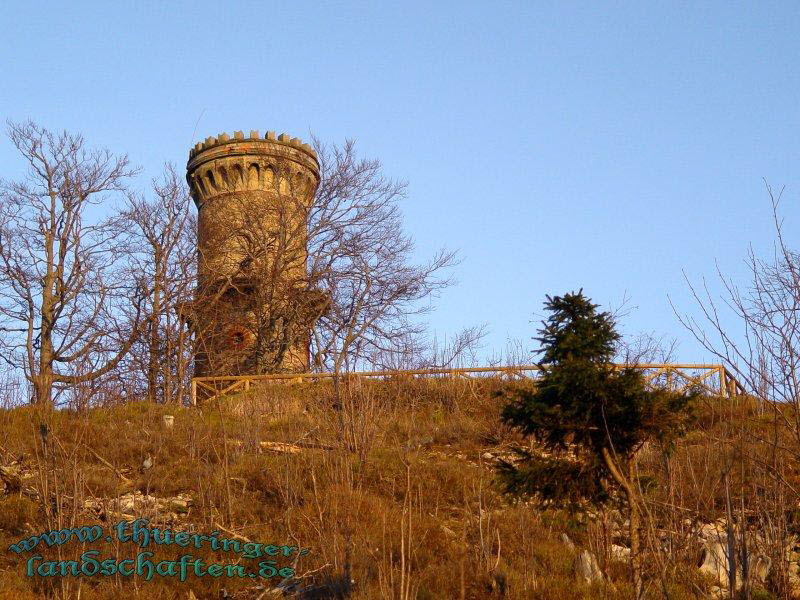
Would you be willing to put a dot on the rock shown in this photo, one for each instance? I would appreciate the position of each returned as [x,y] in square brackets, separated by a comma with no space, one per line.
[169,421]
[620,553]
[179,504]
[138,504]
[127,503]
[714,537]
[586,567]
[147,464]
[567,542]
[759,568]
[715,562]
[712,532]
[488,456]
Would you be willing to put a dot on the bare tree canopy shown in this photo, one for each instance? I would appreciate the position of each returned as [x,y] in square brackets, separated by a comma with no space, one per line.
[161,234]
[766,356]
[360,255]
[61,290]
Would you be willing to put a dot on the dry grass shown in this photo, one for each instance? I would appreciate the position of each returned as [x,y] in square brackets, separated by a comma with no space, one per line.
[391,486]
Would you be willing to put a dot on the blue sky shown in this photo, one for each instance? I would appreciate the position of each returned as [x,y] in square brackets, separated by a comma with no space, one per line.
[558,145]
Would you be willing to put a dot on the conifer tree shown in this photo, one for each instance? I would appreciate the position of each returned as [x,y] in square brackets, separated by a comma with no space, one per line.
[589,418]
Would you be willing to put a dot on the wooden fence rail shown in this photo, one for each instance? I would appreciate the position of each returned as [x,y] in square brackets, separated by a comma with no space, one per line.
[715,379]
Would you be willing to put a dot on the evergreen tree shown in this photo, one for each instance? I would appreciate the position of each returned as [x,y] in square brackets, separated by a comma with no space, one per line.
[589,418]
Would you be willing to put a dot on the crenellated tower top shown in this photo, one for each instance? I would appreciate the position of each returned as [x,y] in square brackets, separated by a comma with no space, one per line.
[237,163]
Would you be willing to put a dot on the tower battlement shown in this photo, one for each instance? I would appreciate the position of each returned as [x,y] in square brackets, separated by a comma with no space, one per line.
[274,163]
[238,136]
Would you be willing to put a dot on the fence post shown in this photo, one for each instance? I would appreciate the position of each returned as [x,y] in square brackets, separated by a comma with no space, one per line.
[194,392]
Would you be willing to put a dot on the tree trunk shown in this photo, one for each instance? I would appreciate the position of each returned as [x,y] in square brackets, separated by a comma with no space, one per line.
[154,358]
[626,483]
[43,380]
[633,509]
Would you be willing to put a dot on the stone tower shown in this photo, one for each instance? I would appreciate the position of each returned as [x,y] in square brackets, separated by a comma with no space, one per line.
[253,309]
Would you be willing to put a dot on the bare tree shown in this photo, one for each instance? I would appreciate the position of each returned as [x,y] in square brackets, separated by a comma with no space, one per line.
[360,255]
[60,288]
[162,240]
[418,352]
[765,357]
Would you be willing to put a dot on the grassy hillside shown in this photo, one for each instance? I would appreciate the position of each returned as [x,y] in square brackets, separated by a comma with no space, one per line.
[391,492]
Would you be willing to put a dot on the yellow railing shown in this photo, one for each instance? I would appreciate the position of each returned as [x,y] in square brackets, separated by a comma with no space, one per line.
[715,379]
